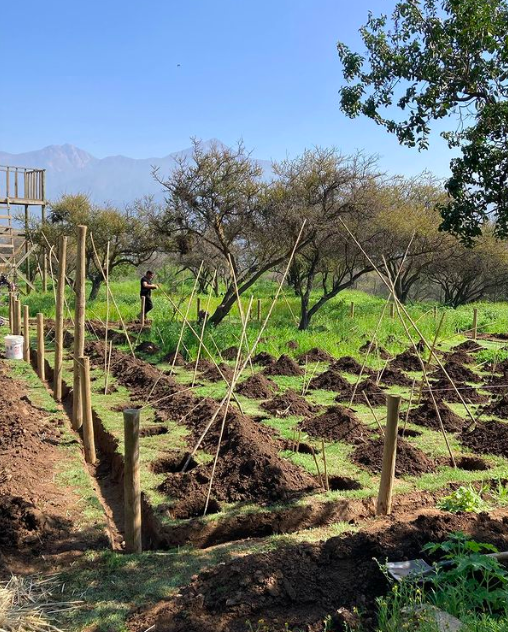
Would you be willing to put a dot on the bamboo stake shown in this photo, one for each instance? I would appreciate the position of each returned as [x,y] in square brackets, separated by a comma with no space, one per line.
[317,466]
[40,347]
[79,328]
[132,485]
[59,320]
[86,396]
[327,483]
[409,407]
[143,307]
[26,334]
[384,499]
[352,310]
[373,413]
[259,309]
[475,324]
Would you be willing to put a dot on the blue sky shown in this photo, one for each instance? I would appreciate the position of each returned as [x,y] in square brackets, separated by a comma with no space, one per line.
[141,78]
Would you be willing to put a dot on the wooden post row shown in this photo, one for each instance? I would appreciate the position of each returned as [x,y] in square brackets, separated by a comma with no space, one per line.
[384,499]
[60,305]
[86,398]
[11,312]
[40,347]
[17,317]
[79,329]
[26,334]
[143,307]
[132,486]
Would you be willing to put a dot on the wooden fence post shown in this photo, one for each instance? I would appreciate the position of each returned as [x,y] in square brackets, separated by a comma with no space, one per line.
[384,499]
[259,309]
[143,307]
[26,334]
[41,372]
[17,317]
[60,304]
[79,329]
[86,397]
[11,312]
[352,310]
[475,324]
[132,487]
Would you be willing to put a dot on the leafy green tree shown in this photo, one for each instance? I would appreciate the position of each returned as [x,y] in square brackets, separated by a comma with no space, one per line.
[438,59]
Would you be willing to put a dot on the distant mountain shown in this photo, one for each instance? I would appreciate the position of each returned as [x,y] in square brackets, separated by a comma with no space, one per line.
[115,179]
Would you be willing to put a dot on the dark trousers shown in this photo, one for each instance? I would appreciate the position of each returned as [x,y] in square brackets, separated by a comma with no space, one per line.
[148,304]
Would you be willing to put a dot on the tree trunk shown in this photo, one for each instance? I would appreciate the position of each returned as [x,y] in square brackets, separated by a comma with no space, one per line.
[96,285]
[304,313]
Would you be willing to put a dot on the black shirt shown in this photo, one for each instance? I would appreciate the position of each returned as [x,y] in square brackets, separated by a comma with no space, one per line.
[144,290]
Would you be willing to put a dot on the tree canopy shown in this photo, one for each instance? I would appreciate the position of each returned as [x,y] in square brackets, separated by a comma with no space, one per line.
[436,60]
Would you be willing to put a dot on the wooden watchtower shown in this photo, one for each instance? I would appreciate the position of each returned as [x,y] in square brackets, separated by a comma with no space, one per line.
[19,187]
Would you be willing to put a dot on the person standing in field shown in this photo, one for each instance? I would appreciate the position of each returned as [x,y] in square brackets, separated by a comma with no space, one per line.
[146,290]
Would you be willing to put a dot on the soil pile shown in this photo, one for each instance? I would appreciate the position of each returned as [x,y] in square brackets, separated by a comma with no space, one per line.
[249,468]
[349,365]
[289,403]
[332,381]
[459,357]
[284,366]
[468,345]
[263,358]
[410,461]
[147,347]
[406,361]
[425,415]
[315,355]
[458,373]
[213,374]
[443,390]
[230,353]
[499,408]
[490,437]
[375,350]
[338,423]
[257,387]
[371,389]
[299,585]
[395,377]
[175,359]
[203,364]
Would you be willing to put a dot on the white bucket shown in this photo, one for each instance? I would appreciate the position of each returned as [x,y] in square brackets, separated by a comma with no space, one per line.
[14,347]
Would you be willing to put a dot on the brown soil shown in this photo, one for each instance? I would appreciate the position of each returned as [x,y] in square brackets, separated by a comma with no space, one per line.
[257,387]
[174,359]
[203,365]
[284,366]
[147,347]
[407,361]
[376,396]
[99,331]
[349,365]
[332,381]
[468,345]
[300,585]
[472,464]
[489,437]
[410,460]
[263,358]
[289,403]
[231,353]
[214,375]
[315,355]
[443,390]
[498,409]
[338,423]
[458,373]
[292,344]
[37,516]
[425,415]
[375,350]
[459,357]
[395,377]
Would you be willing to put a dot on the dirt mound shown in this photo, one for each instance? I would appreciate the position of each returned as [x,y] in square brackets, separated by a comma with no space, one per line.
[395,377]
[443,390]
[284,366]
[176,359]
[249,468]
[458,373]
[213,374]
[499,408]
[20,522]
[299,585]
[490,437]
[338,423]
[203,365]
[349,365]
[289,403]
[407,361]
[292,344]
[315,355]
[375,394]
[468,345]
[231,353]
[257,387]
[332,381]
[410,461]
[375,350]
[147,347]
[263,358]
[425,415]
[459,357]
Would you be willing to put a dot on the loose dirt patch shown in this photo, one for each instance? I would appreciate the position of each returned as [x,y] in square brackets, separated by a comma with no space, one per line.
[489,437]
[406,361]
[425,415]
[395,377]
[410,460]
[499,408]
[147,347]
[176,359]
[315,355]
[300,585]
[458,373]
[472,464]
[375,350]
[289,403]
[376,396]
[214,375]
[263,358]
[443,390]
[349,365]
[284,366]
[231,353]
[332,381]
[468,345]
[338,423]
[459,357]
[257,387]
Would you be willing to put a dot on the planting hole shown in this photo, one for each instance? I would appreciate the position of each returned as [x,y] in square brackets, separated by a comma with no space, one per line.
[172,464]
[151,431]
[343,484]
[408,432]
[472,464]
